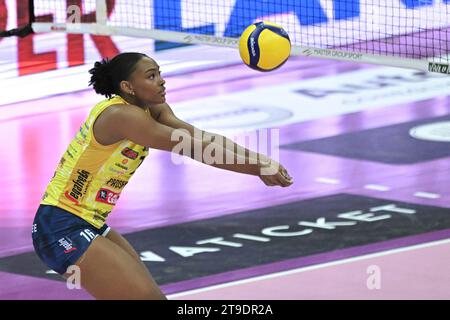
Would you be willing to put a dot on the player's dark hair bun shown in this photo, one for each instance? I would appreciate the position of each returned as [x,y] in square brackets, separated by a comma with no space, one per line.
[106,75]
[101,78]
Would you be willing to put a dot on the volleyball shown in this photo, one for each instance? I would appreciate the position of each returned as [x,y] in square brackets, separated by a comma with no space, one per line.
[264,46]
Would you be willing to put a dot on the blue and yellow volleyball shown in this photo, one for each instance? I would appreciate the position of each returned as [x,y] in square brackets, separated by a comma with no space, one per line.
[264,46]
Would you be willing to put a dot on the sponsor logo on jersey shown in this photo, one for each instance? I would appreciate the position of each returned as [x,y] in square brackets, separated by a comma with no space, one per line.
[78,186]
[107,196]
[130,153]
[119,172]
[82,133]
[70,154]
[100,215]
[61,162]
[116,183]
[121,166]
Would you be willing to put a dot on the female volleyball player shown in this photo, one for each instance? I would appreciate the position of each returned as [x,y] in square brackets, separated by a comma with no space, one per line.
[69,227]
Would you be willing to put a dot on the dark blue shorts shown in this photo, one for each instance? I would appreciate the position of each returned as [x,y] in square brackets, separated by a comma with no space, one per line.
[60,238]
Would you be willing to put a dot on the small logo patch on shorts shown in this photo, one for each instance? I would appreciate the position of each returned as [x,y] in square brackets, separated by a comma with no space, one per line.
[66,243]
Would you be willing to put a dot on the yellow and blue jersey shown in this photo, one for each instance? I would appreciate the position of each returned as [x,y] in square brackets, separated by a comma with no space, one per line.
[90,176]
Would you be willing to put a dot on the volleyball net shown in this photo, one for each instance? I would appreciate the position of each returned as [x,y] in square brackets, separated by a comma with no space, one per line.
[402,33]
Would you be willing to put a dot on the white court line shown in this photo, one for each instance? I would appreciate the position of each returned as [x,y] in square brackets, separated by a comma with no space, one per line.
[318,266]
[328,180]
[51,272]
[427,195]
[376,187]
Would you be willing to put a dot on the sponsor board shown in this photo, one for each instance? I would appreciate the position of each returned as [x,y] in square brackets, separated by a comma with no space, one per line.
[59,69]
[312,99]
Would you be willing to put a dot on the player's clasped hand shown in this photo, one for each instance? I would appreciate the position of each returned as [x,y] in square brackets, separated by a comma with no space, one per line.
[274,174]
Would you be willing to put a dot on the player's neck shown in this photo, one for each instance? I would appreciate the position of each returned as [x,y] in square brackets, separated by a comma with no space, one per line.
[135,101]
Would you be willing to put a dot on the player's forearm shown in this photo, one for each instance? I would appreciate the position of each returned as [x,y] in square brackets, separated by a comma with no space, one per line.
[236,148]
[217,155]
[238,163]
[219,152]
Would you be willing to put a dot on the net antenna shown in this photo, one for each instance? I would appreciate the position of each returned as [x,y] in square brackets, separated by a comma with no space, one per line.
[411,34]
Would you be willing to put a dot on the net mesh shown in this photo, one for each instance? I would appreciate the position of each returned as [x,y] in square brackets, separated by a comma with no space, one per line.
[415,29]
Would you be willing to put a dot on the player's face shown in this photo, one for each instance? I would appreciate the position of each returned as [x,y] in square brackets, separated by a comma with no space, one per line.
[147,83]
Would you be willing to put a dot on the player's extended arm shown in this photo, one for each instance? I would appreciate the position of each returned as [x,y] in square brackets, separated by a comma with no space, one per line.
[167,117]
[132,123]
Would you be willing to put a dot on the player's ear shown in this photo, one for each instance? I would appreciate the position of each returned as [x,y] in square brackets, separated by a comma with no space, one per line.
[125,86]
